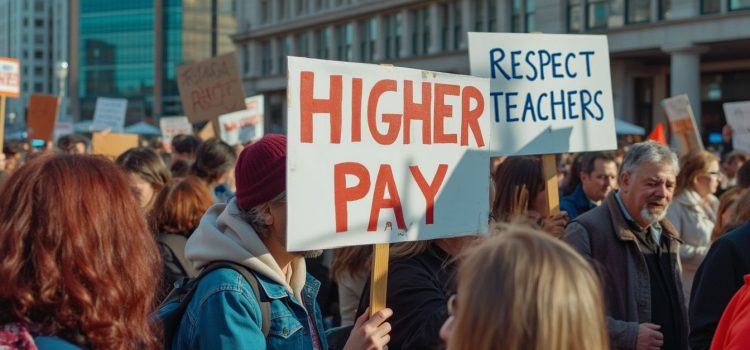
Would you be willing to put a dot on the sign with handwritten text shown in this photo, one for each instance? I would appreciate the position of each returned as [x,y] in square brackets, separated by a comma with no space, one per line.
[10,77]
[549,93]
[109,114]
[383,154]
[738,117]
[238,128]
[682,123]
[40,120]
[211,87]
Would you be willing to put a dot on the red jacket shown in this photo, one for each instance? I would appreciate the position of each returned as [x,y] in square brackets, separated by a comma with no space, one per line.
[733,331]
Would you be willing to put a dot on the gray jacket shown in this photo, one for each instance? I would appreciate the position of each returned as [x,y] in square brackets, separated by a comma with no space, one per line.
[603,236]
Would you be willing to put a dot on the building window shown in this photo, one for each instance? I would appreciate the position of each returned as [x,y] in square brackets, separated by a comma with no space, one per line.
[266,57]
[574,16]
[301,7]
[515,17]
[38,55]
[476,5]
[38,87]
[393,36]
[491,15]
[345,37]
[286,45]
[444,26]
[639,11]
[604,13]
[367,36]
[664,7]
[246,61]
[457,30]
[265,12]
[710,6]
[420,36]
[323,38]
[530,17]
[301,48]
[739,5]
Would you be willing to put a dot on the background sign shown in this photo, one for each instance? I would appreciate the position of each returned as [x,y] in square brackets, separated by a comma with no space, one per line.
[245,125]
[382,154]
[211,87]
[548,94]
[738,117]
[112,145]
[40,121]
[682,123]
[10,77]
[109,113]
[173,126]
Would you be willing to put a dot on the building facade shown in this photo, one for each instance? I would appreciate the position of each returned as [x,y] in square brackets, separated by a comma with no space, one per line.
[131,49]
[658,48]
[36,33]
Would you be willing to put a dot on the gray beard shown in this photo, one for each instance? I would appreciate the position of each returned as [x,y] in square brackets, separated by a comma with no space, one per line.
[652,218]
[312,253]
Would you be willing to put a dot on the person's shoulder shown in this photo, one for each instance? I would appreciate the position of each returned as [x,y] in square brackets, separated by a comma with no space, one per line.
[222,280]
[740,236]
[54,343]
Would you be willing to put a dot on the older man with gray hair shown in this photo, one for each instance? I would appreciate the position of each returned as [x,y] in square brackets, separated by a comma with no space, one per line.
[635,248]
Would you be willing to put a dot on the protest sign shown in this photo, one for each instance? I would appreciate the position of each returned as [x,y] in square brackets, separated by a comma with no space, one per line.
[245,125]
[109,114]
[382,154]
[62,129]
[211,87]
[738,117]
[10,77]
[40,120]
[549,93]
[173,126]
[112,145]
[682,123]
[207,131]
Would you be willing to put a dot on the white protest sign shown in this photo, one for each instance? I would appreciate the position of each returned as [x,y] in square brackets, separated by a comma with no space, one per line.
[382,154]
[173,126]
[549,93]
[63,129]
[682,123]
[10,77]
[738,117]
[109,113]
[245,125]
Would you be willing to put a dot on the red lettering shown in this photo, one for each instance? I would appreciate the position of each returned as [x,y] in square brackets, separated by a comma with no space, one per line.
[310,105]
[443,111]
[470,117]
[419,111]
[356,110]
[393,120]
[379,202]
[429,191]
[343,195]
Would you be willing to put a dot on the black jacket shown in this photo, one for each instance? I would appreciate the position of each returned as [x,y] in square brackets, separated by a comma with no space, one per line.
[418,292]
[718,278]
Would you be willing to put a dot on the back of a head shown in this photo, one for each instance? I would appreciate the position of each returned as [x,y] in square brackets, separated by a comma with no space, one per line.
[517,180]
[75,249]
[185,144]
[743,176]
[68,143]
[692,165]
[147,164]
[178,208]
[526,290]
[213,159]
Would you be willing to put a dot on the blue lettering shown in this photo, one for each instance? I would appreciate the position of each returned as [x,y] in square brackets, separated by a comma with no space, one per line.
[596,101]
[588,63]
[567,65]
[556,64]
[496,102]
[533,67]
[528,107]
[585,101]
[514,64]
[509,106]
[560,103]
[543,62]
[571,104]
[495,63]
[539,107]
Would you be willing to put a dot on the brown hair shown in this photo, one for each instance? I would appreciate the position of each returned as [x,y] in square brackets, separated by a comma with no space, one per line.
[725,201]
[551,297]
[517,181]
[742,212]
[78,258]
[692,165]
[147,164]
[213,159]
[178,208]
[352,261]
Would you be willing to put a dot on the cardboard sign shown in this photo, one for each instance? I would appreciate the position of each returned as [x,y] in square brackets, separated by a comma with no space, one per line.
[112,145]
[10,77]
[40,121]
[738,117]
[63,129]
[211,87]
[682,122]
[207,131]
[382,154]
[245,125]
[109,113]
[549,93]
[173,126]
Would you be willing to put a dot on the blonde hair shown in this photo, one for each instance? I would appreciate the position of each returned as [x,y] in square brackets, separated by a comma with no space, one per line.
[692,165]
[526,290]
[726,200]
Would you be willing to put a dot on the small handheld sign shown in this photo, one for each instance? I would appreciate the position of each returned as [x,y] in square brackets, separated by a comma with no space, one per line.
[10,86]
[682,123]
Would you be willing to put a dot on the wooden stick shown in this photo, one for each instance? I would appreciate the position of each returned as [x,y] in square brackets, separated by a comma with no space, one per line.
[379,277]
[549,171]
[2,121]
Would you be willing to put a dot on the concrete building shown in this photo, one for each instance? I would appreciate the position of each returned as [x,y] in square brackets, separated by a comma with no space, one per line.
[36,33]
[658,48]
[131,49]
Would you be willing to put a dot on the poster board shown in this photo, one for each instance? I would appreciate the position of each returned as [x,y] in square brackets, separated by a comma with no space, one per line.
[112,145]
[681,121]
[109,114]
[41,117]
[550,93]
[10,77]
[738,118]
[63,129]
[245,125]
[371,161]
[173,126]
[207,131]
[211,87]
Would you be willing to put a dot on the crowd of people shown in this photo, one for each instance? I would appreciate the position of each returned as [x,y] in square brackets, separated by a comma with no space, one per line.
[647,252]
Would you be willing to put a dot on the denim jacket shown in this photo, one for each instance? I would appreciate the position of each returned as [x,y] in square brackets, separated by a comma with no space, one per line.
[224,314]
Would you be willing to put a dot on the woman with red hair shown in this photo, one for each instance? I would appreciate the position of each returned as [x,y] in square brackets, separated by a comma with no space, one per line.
[79,264]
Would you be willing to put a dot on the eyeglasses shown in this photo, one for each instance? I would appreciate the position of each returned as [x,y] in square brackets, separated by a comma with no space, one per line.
[452,305]
[714,173]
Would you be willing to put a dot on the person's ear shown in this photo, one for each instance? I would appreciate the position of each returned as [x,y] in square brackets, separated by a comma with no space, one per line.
[583,176]
[267,216]
[624,181]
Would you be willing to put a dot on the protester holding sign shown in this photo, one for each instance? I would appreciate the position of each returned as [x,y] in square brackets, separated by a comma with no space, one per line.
[249,231]
[146,173]
[693,212]
[511,299]
[79,264]
[630,239]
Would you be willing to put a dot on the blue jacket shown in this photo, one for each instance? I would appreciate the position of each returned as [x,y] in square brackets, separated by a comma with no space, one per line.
[576,203]
[224,314]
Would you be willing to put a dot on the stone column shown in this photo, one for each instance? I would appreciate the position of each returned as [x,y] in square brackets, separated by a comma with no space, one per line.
[357,41]
[685,74]
[467,23]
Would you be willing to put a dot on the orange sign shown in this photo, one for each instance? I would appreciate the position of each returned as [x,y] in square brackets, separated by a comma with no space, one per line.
[113,145]
[42,116]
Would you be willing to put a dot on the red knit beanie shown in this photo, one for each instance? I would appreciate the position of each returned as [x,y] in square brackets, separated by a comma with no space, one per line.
[260,173]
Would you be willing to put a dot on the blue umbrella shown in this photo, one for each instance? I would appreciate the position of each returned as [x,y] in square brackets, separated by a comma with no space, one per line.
[142,128]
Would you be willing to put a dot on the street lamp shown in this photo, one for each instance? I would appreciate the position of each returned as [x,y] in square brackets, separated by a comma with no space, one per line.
[61,73]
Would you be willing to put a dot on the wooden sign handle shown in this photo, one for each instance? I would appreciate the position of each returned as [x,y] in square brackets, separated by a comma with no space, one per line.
[379,277]
[549,171]
[2,121]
